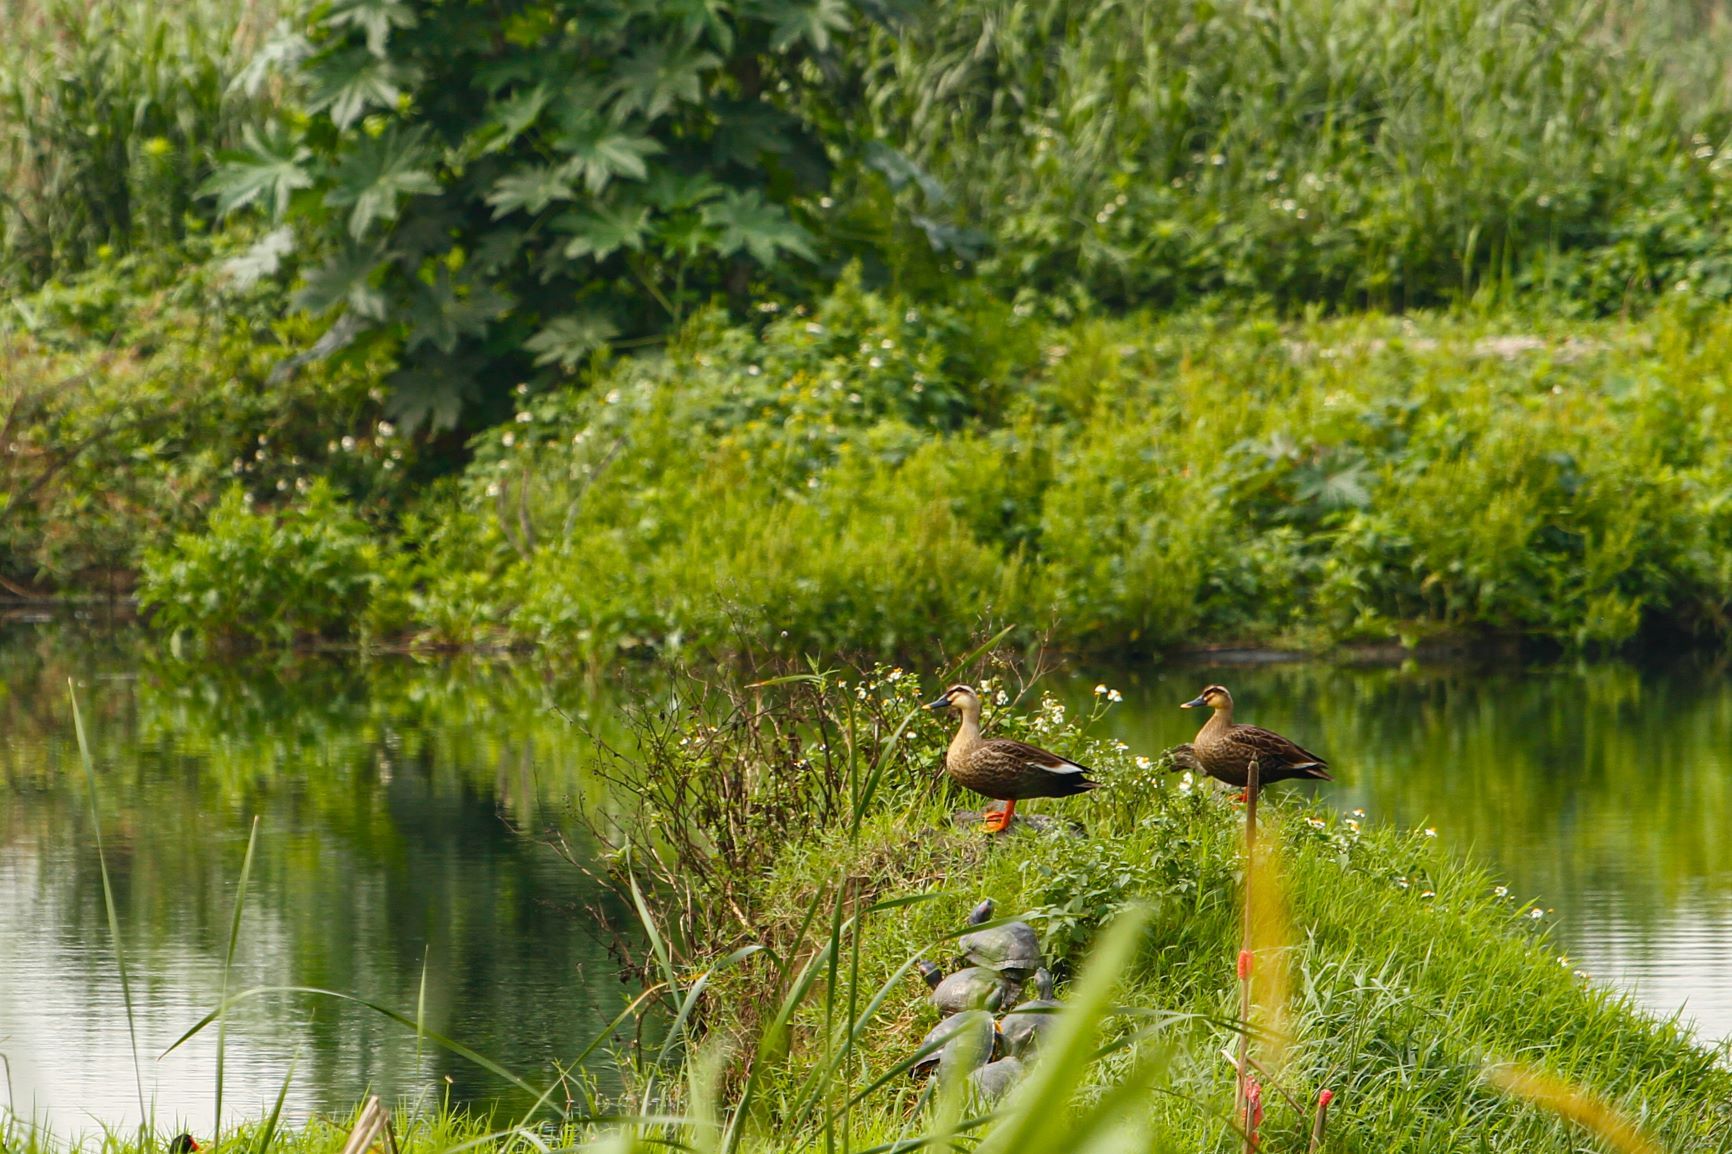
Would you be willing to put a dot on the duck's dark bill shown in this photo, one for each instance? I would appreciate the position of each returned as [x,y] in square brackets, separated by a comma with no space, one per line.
[1194,703]
[941,703]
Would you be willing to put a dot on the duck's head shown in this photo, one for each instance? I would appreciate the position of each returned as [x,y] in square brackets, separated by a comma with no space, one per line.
[956,697]
[1214,697]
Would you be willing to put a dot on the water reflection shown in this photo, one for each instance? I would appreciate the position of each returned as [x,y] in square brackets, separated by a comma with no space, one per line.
[388,800]
[1605,790]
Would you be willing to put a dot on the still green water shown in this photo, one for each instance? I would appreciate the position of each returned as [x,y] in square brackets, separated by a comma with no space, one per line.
[405,808]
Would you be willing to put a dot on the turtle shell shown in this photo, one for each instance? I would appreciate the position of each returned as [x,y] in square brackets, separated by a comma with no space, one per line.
[994,1080]
[969,1035]
[1012,949]
[974,988]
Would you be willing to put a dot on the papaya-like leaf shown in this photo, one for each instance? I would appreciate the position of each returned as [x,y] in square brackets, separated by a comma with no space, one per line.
[378,173]
[375,18]
[346,278]
[509,117]
[655,79]
[744,221]
[281,54]
[601,231]
[529,190]
[607,153]
[812,23]
[267,170]
[262,258]
[566,340]
[347,82]
[447,310]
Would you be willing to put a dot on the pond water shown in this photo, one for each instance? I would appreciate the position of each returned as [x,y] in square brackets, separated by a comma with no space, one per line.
[404,808]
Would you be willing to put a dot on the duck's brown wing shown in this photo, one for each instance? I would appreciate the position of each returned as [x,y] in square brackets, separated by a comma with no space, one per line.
[1013,770]
[1276,755]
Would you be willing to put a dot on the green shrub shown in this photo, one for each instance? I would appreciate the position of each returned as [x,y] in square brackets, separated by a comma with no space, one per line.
[131,396]
[1188,480]
[303,572]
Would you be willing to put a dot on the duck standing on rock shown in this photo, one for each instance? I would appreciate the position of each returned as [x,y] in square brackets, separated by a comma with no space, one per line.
[1225,749]
[1000,768]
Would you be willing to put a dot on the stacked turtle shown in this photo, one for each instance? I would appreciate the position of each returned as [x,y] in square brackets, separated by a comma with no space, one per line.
[1000,960]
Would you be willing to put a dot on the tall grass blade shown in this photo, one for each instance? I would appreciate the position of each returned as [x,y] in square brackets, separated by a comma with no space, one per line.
[402,1019]
[1580,1106]
[986,647]
[262,1144]
[108,897]
[228,966]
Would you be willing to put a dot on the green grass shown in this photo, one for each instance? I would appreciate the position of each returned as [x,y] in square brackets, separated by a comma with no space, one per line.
[111,113]
[1347,153]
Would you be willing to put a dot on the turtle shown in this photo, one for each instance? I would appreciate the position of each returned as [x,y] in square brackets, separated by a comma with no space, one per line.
[994,1080]
[1012,949]
[1024,1026]
[971,988]
[971,1037]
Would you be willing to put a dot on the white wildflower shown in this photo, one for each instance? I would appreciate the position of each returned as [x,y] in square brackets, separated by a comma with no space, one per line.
[1144,763]
[508,440]
[1100,690]
[1430,832]
[1115,695]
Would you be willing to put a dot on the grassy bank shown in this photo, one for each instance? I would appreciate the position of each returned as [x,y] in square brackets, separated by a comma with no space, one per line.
[881,474]
[788,883]
[875,472]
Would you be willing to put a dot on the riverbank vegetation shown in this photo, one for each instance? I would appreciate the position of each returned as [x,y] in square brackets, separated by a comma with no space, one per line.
[816,342]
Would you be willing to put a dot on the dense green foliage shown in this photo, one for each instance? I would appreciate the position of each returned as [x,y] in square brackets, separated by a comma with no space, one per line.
[875,473]
[111,114]
[464,194]
[1354,153]
[486,188]
[132,397]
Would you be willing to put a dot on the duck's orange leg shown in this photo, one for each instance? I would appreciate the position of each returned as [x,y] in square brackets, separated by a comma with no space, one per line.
[999,819]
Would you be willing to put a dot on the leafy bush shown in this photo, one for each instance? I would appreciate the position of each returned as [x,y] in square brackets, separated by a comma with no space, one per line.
[1192,480]
[133,395]
[489,190]
[258,576]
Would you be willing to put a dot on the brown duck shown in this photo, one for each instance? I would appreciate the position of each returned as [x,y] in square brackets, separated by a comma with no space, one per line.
[1000,768]
[1225,749]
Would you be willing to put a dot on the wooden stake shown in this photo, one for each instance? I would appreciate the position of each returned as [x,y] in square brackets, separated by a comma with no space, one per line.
[374,1122]
[1317,1120]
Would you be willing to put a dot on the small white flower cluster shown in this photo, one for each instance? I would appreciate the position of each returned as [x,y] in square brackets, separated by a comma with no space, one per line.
[1112,695]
